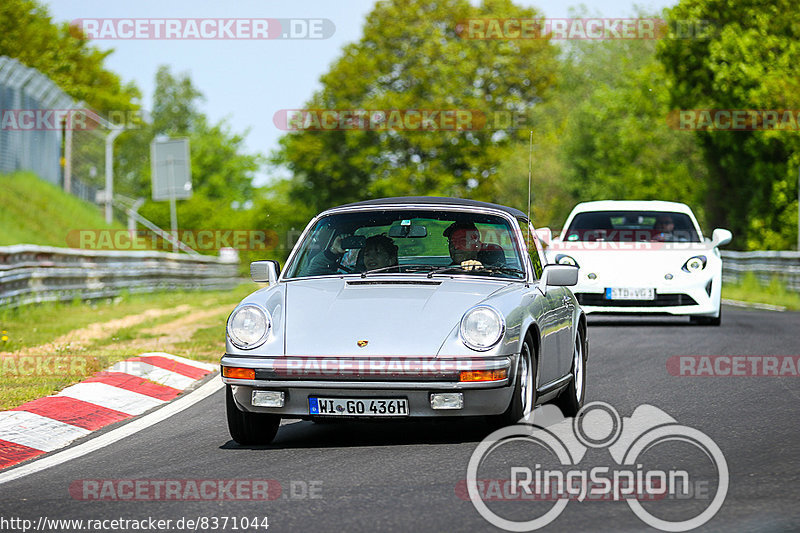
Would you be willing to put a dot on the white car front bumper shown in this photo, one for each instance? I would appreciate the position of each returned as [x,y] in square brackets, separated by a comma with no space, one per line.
[695,294]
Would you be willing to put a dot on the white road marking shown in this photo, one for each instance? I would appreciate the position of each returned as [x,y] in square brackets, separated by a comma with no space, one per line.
[765,307]
[115,435]
[36,431]
[153,373]
[110,397]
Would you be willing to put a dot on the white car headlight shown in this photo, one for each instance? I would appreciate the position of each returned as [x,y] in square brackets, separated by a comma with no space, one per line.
[482,327]
[695,264]
[248,326]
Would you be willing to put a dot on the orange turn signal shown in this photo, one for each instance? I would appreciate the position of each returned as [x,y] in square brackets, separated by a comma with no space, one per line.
[238,373]
[484,375]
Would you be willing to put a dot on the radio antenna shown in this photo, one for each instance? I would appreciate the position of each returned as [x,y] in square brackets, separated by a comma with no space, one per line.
[530,171]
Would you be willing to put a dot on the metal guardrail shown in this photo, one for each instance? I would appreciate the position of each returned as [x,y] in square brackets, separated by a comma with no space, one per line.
[765,265]
[30,274]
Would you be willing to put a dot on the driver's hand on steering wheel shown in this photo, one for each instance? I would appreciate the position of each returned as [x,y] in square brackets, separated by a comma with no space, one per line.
[471,264]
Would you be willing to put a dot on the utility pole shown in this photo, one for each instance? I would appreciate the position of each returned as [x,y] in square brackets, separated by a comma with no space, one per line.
[109,193]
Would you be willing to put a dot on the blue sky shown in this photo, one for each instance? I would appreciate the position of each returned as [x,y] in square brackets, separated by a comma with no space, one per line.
[248,81]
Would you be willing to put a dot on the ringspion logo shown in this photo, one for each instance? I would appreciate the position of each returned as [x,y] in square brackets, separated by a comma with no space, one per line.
[545,463]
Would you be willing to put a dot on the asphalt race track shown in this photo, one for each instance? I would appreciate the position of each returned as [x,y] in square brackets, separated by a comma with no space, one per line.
[396,476]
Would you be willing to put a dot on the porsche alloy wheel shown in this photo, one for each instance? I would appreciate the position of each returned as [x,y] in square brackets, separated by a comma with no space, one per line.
[523,399]
[571,400]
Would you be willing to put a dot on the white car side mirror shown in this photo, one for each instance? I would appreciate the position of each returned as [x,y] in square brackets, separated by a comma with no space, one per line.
[265,271]
[721,237]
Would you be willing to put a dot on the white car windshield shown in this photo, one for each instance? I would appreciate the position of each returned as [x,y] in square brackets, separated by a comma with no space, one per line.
[421,242]
[631,226]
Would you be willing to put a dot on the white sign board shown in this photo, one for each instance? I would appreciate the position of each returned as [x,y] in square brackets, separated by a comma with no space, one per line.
[171,169]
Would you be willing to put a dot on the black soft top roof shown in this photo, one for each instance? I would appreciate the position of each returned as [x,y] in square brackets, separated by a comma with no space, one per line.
[436,200]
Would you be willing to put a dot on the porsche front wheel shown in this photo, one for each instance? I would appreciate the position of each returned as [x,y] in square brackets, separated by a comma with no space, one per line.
[249,428]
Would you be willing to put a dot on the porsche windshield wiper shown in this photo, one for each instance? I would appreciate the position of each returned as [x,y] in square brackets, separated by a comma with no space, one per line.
[406,268]
[382,269]
[477,269]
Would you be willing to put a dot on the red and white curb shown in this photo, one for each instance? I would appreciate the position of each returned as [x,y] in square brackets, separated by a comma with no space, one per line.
[129,388]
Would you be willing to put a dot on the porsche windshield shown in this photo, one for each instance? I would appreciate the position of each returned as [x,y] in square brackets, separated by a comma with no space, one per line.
[631,226]
[409,241]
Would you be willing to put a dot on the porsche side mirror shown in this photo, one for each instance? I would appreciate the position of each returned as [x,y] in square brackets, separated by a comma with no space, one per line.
[266,271]
[559,275]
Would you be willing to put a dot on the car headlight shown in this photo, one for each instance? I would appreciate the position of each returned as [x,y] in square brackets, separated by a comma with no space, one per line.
[564,259]
[248,326]
[482,327]
[694,264]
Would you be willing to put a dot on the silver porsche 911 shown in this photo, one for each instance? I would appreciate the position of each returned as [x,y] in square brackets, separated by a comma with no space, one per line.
[406,307]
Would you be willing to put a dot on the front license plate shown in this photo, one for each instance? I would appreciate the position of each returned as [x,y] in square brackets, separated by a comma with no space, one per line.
[622,293]
[357,406]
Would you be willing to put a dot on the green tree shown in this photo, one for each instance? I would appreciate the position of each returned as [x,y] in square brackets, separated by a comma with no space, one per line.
[222,170]
[618,142]
[63,53]
[411,57]
[602,134]
[748,61]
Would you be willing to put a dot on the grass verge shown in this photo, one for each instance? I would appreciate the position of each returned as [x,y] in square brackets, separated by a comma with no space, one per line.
[750,289]
[28,375]
[36,212]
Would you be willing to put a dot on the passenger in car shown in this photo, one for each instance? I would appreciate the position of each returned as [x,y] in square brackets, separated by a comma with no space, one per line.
[379,251]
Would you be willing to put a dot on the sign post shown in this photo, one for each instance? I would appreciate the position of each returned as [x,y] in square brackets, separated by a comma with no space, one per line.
[171,176]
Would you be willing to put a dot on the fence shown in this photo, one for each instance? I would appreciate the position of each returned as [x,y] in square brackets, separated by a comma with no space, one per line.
[40,144]
[765,265]
[31,274]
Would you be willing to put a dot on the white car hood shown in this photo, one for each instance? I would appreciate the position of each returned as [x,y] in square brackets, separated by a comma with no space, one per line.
[629,266]
[327,317]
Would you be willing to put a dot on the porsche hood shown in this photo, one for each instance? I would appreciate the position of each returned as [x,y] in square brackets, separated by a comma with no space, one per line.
[375,316]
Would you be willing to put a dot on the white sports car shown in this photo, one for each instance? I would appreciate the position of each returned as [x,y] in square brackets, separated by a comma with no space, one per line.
[642,257]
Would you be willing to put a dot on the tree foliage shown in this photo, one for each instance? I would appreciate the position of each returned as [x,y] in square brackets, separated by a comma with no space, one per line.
[602,134]
[62,52]
[222,170]
[748,61]
[411,57]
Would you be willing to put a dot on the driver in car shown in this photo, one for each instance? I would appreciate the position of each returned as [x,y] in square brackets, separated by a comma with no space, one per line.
[467,250]
[464,244]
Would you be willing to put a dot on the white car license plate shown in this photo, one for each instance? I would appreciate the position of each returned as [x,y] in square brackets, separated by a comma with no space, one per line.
[357,406]
[622,293]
